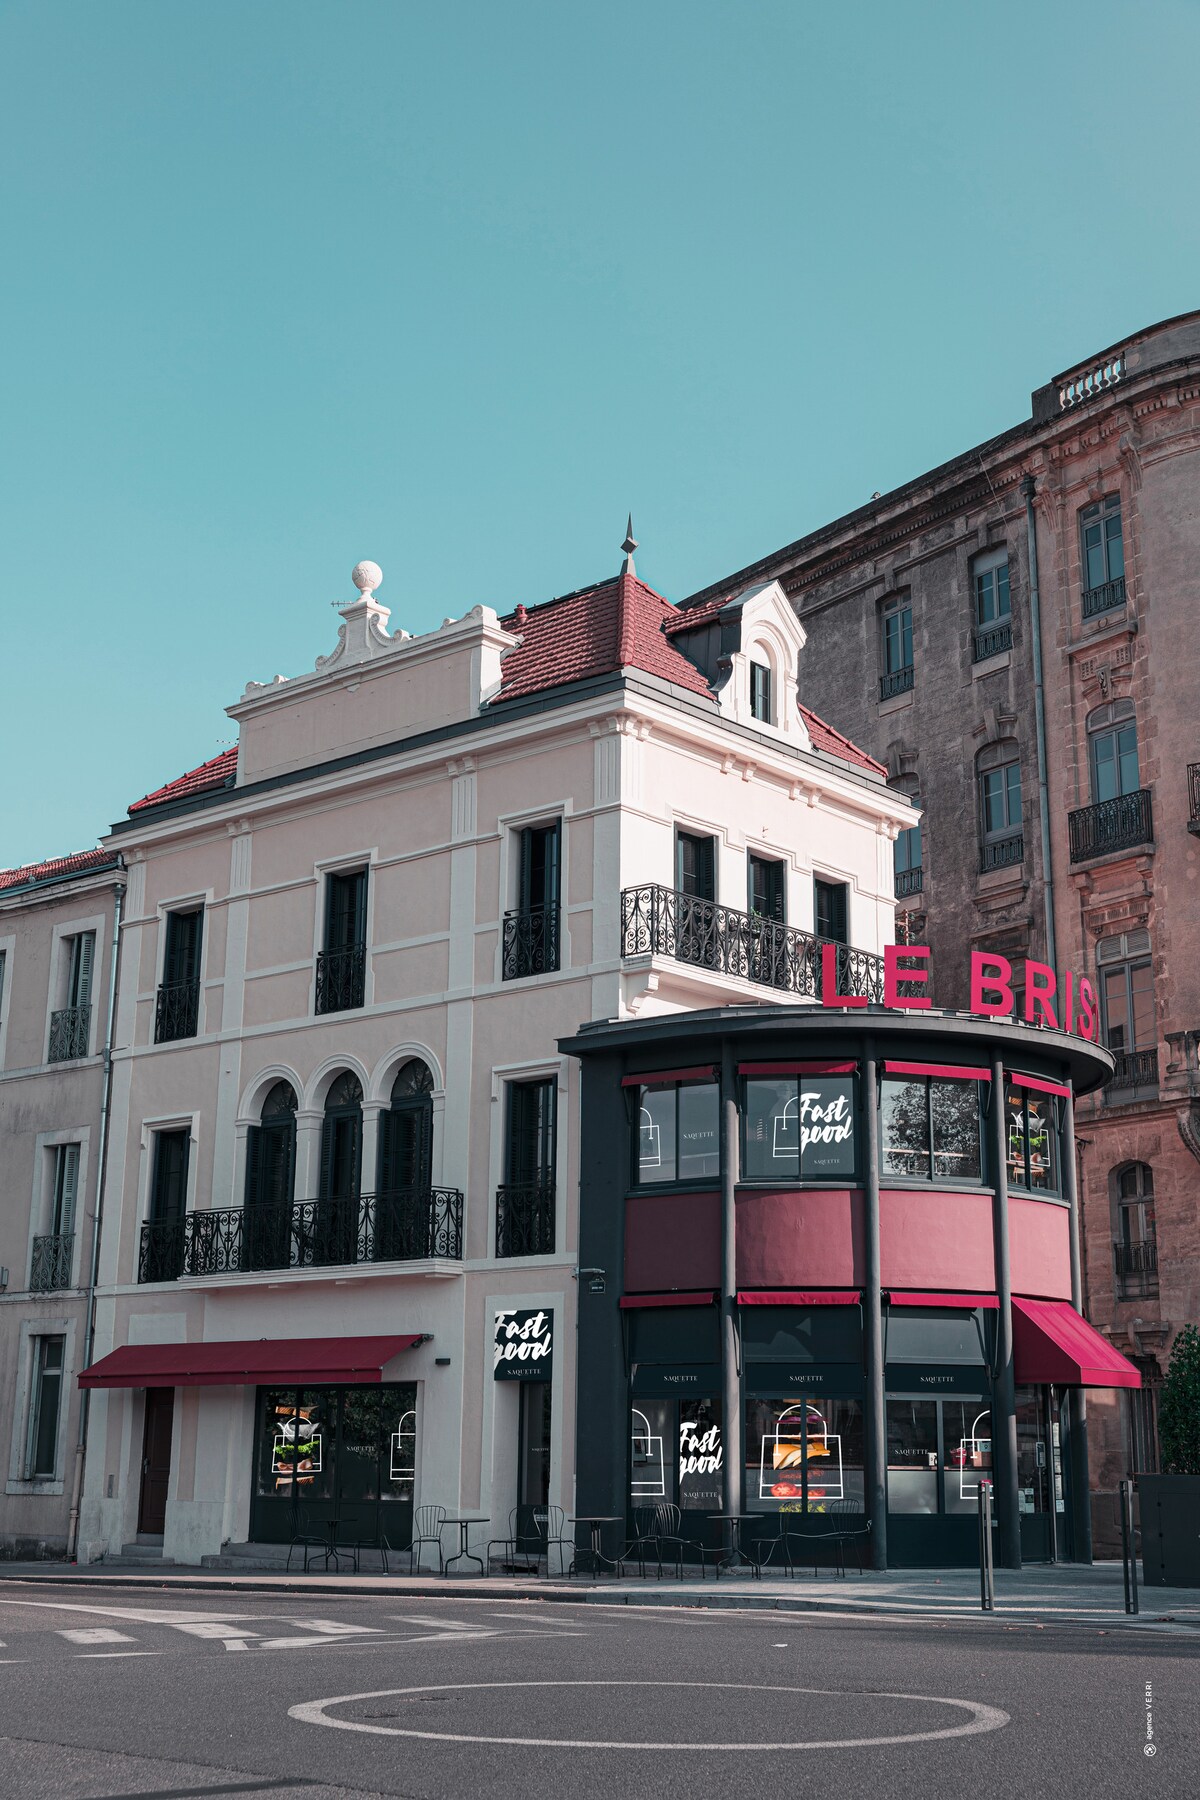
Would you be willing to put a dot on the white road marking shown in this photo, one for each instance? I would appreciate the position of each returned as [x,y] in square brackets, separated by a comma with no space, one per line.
[476,1625]
[983,1718]
[94,1655]
[97,1634]
[334,1629]
[211,1628]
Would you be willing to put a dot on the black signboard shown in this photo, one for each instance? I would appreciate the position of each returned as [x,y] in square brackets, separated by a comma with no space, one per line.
[676,1378]
[913,1378]
[771,1378]
[524,1346]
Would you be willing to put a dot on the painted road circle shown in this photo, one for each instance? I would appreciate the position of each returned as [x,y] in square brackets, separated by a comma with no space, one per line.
[982,1718]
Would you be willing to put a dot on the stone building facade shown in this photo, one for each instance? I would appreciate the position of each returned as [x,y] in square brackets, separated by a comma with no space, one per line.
[56,971]
[1068,838]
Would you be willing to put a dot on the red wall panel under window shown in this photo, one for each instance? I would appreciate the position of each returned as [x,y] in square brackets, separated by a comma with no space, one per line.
[930,1239]
[672,1241]
[800,1238]
[1039,1248]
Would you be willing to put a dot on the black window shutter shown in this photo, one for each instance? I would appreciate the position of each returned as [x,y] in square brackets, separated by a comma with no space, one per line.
[168,1201]
[255,1148]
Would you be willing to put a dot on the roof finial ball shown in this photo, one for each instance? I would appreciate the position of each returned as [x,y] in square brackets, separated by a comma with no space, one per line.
[367,576]
[629,546]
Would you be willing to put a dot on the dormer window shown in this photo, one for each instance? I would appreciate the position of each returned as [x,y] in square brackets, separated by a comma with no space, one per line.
[760,692]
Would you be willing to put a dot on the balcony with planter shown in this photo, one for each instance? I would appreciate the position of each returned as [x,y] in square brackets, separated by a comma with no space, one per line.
[405,1226]
[1125,822]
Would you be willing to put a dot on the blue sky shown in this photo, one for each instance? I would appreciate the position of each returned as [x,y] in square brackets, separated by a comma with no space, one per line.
[453,287]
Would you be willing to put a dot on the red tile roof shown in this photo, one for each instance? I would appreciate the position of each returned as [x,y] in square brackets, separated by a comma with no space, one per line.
[614,625]
[219,771]
[694,616]
[824,737]
[58,868]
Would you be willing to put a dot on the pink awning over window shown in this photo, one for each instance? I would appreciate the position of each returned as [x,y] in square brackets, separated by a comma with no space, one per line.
[799,1297]
[629,1302]
[908,1298]
[1052,1343]
[249,1362]
[943,1071]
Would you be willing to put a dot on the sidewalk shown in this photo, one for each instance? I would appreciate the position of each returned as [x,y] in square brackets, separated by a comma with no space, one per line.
[1038,1595]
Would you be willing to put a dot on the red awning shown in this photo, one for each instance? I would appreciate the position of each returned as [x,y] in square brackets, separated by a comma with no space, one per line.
[663,1077]
[1052,1343]
[945,1071]
[704,1298]
[797,1068]
[799,1297]
[248,1362]
[1039,1086]
[969,1300]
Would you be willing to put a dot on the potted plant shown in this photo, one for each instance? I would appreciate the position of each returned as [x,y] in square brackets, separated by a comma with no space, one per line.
[1170,1502]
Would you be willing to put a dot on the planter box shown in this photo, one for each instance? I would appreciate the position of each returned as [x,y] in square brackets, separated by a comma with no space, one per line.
[1170,1517]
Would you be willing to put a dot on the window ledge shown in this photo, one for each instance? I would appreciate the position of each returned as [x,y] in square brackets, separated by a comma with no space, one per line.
[47,1486]
[897,703]
[991,665]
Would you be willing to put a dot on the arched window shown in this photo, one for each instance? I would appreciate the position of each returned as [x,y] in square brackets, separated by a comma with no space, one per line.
[762,699]
[403,1214]
[341,1140]
[998,768]
[1113,751]
[1136,1246]
[270,1179]
[907,852]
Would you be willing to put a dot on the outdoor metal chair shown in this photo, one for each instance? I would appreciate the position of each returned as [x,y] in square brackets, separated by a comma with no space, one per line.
[853,1527]
[428,1522]
[554,1522]
[668,1535]
[643,1539]
[522,1544]
[309,1538]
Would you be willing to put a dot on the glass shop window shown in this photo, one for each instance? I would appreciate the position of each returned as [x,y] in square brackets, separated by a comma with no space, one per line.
[677,1133]
[912,1454]
[930,1129]
[967,1453]
[677,1454]
[804,1454]
[800,1128]
[1031,1133]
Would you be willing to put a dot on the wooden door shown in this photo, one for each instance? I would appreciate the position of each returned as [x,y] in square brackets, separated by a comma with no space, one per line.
[156,1460]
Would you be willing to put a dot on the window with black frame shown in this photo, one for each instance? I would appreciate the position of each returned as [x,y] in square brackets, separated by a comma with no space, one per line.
[929,1127]
[1031,1130]
[804,1454]
[800,1127]
[676,1132]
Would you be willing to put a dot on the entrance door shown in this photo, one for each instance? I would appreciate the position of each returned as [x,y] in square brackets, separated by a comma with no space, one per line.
[156,1460]
[1040,1475]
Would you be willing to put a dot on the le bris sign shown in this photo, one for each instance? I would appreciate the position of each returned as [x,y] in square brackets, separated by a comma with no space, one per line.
[1062,1002]
[524,1346]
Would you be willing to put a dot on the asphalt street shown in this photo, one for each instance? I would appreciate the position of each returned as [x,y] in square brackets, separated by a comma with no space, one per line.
[123,1692]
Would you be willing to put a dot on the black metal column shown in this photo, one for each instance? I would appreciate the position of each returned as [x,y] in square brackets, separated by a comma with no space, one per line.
[602,1428]
[1004,1403]
[1074,1401]
[731,1372]
[874,1425]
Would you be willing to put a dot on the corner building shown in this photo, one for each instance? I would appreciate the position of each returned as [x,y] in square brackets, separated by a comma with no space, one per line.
[1060,553]
[338,1265]
[842,1269]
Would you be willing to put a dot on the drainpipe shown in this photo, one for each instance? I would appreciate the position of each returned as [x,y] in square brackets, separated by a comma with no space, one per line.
[1029,489]
[89,1335]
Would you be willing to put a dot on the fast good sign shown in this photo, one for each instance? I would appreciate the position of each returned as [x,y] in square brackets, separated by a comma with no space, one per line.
[1063,1002]
[523,1346]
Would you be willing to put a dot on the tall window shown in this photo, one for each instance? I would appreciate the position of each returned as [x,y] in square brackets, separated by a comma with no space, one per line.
[70,1026]
[696,866]
[162,1247]
[930,1129]
[767,885]
[342,965]
[270,1181]
[677,1132]
[760,692]
[1000,817]
[45,1401]
[897,646]
[54,1248]
[1136,1245]
[337,1218]
[907,859]
[177,1010]
[993,604]
[402,1218]
[1113,751]
[1102,553]
[831,910]
[1127,1007]
[525,1201]
[531,935]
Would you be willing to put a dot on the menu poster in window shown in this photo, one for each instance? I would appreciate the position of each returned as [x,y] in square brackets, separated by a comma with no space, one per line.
[701,1457]
[826,1127]
[524,1346]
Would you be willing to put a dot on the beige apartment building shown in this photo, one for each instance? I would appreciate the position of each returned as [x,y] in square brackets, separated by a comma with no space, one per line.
[1013,635]
[57,932]
[339,1264]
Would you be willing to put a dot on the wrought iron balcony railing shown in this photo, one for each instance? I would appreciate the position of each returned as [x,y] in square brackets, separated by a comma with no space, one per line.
[530,943]
[69,1032]
[176,1011]
[1105,598]
[1194,796]
[52,1262]
[909,881]
[1118,824]
[1004,853]
[898,682]
[1136,1268]
[525,1219]
[992,639]
[1134,1068]
[341,979]
[403,1225]
[659,921]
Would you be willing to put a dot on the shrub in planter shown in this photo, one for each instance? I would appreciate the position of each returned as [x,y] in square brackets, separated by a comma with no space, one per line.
[1170,1502]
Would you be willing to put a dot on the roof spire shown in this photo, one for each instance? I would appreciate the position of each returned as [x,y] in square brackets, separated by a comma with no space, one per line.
[629,546]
